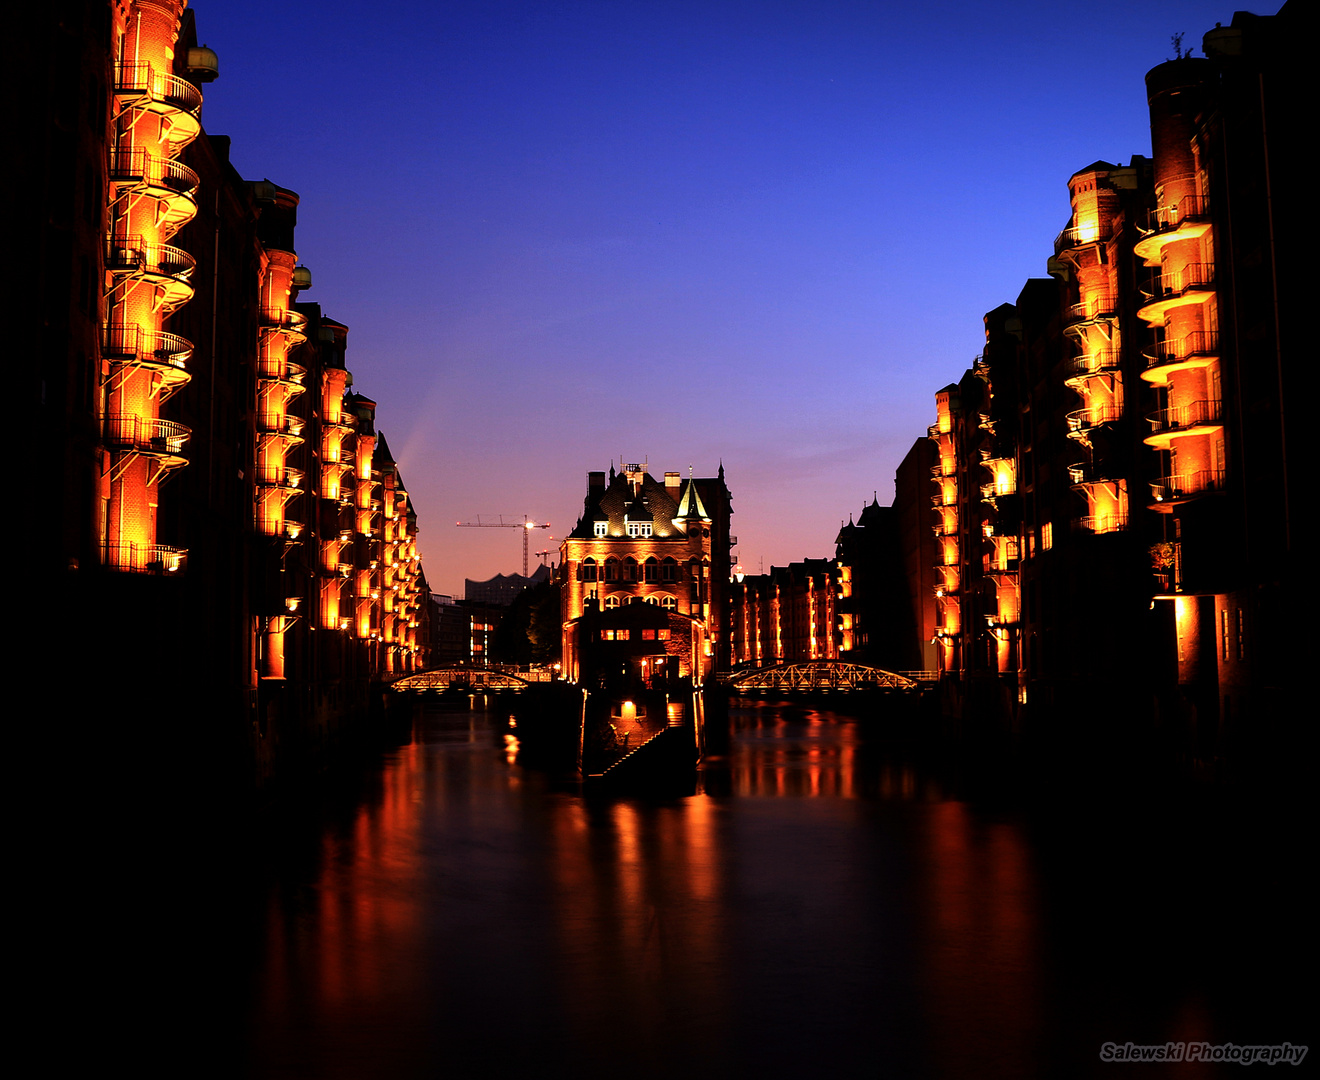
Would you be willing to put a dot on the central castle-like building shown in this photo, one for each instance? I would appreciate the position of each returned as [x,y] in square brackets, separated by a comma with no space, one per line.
[645,576]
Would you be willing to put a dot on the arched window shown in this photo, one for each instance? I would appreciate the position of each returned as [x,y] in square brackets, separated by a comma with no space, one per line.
[612,601]
[629,569]
[611,569]
[652,568]
[588,570]
[669,569]
[668,603]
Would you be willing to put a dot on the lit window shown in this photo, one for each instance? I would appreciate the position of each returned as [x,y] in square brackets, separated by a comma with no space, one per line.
[1047,536]
[601,527]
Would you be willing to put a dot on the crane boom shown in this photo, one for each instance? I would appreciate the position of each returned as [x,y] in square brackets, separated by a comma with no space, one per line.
[527,525]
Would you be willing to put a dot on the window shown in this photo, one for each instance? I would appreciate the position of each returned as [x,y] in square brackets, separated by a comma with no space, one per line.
[669,570]
[611,601]
[652,569]
[668,603]
[589,570]
[611,569]
[1047,536]
[601,527]
[639,528]
[629,569]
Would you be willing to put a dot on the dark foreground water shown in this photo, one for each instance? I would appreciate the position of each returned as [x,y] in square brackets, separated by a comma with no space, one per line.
[821,907]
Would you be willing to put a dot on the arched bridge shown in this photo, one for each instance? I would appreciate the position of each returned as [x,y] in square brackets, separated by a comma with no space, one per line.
[813,676]
[462,678]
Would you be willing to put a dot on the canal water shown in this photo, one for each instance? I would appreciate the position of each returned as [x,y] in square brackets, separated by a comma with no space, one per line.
[821,906]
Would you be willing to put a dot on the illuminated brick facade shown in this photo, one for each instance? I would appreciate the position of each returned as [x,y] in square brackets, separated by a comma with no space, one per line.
[276,575]
[662,544]
[155,111]
[1112,488]
[786,615]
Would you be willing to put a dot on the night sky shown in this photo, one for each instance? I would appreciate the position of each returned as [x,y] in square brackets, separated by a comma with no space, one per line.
[762,234]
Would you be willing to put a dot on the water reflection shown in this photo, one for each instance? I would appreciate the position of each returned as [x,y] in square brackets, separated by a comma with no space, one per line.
[836,912]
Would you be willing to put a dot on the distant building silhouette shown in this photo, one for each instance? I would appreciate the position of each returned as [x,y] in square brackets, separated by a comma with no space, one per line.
[503,589]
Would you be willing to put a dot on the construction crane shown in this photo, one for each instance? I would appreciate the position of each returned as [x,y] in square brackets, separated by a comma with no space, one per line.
[527,525]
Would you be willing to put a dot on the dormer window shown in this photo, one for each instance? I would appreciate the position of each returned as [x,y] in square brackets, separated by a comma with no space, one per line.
[639,528]
[601,527]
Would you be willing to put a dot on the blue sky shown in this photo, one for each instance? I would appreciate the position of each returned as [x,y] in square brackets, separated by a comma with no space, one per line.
[756,233]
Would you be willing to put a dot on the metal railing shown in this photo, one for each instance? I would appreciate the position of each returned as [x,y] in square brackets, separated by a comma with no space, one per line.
[1101,306]
[1102,523]
[133,163]
[145,434]
[1176,282]
[1185,485]
[1168,218]
[1181,417]
[270,367]
[1085,419]
[1089,472]
[140,79]
[269,423]
[1197,343]
[285,319]
[144,558]
[1097,363]
[1076,236]
[135,343]
[133,255]
[280,476]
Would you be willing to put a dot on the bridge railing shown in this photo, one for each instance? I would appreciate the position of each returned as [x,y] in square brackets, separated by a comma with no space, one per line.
[819,675]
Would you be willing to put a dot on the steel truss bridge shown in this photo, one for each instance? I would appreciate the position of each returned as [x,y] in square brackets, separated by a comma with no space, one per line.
[464,678]
[815,676]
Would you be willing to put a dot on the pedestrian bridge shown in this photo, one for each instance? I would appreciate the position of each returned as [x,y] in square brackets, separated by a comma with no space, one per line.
[816,676]
[459,677]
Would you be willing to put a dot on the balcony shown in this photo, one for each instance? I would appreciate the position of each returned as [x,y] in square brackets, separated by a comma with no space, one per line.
[1081,421]
[1197,350]
[291,324]
[176,101]
[165,355]
[170,182]
[167,267]
[1089,472]
[1193,284]
[1185,486]
[280,476]
[145,435]
[1102,523]
[283,425]
[157,559]
[1198,418]
[1186,219]
[1077,236]
[1101,307]
[282,371]
[1090,365]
